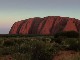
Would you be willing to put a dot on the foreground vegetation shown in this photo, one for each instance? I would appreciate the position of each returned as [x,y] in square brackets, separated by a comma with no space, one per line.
[31,47]
[36,48]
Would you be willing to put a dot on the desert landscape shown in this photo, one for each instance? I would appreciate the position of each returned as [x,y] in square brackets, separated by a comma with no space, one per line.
[39,29]
[48,38]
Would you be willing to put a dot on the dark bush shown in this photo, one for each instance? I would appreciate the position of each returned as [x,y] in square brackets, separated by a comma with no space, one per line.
[8,42]
[71,44]
[67,34]
[39,50]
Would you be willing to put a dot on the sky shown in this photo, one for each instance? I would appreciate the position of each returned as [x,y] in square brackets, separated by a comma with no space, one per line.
[12,11]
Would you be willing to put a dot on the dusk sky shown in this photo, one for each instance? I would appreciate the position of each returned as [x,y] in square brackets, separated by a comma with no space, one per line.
[14,10]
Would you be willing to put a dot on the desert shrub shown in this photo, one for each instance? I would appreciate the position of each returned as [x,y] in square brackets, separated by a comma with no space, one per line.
[1,42]
[39,50]
[36,48]
[71,44]
[69,34]
[8,42]
[7,50]
[18,56]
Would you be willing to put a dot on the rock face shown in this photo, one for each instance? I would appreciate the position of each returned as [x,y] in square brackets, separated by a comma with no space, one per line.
[45,26]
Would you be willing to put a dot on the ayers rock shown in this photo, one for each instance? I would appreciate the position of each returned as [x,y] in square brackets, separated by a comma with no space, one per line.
[45,26]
